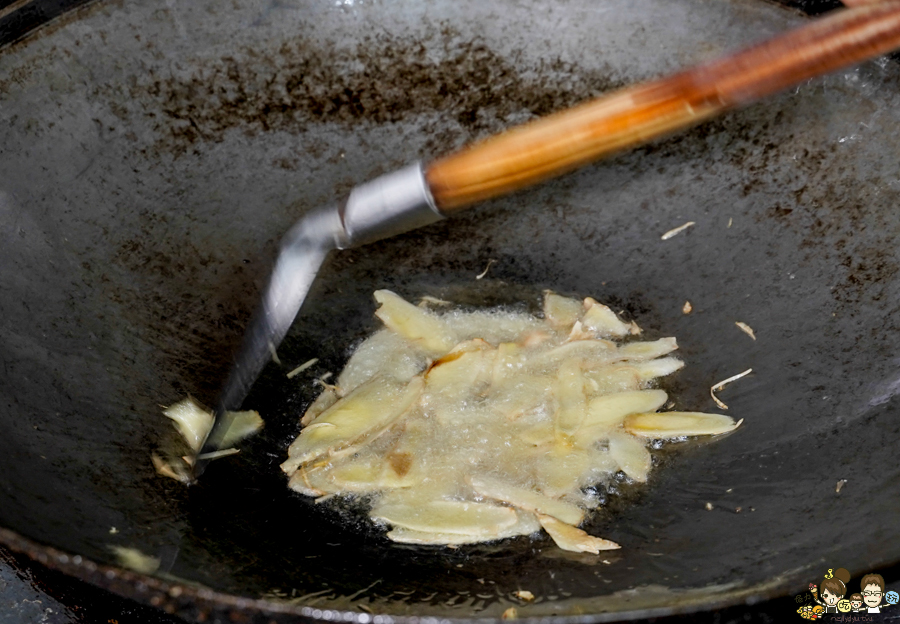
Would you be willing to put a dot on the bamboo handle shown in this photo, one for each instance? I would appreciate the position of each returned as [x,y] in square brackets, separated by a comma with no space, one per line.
[564,141]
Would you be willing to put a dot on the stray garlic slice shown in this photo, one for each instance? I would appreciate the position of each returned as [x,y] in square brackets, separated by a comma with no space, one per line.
[571,538]
[192,420]
[677,424]
[134,559]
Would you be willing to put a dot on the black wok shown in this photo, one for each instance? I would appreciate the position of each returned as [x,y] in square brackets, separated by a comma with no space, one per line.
[151,156]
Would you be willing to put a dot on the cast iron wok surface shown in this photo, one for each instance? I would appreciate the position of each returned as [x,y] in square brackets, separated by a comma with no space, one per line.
[153,155]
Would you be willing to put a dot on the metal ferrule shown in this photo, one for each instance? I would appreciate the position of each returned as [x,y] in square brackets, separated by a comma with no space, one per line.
[389,205]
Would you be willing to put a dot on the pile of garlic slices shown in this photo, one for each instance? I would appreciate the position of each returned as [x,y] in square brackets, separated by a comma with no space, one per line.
[467,427]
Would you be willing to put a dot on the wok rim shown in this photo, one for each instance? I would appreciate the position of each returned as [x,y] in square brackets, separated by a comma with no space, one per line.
[195,602]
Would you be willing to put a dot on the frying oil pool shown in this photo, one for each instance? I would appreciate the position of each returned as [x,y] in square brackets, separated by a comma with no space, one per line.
[463,427]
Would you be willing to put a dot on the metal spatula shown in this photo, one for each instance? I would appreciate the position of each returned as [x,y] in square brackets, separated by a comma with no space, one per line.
[421,194]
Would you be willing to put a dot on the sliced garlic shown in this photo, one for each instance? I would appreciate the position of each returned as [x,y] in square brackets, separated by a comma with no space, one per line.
[464,371]
[134,559]
[573,539]
[526,499]
[419,326]
[603,322]
[192,420]
[561,312]
[560,470]
[372,407]
[325,400]
[613,379]
[591,351]
[446,516]
[299,482]
[538,435]
[366,474]
[631,455]
[607,412]
[175,469]
[642,351]
[656,368]
[677,424]
[569,393]
[526,524]
[461,427]
[239,425]
[521,395]
[385,354]
[507,362]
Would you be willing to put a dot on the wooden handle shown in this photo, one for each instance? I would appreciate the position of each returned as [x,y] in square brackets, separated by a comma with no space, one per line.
[564,141]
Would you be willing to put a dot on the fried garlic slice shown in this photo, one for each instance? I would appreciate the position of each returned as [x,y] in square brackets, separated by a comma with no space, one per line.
[134,559]
[569,393]
[595,353]
[573,539]
[369,473]
[626,376]
[300,482]
[560,469]
[612,379]
[192,420]
[561,312]
[174,468]
[371,408]
[526,524]
[290,465]
[642,351]
[239,425]
[417,325]
[656,368]
[602,465]
[526,499]
[463,371]
[447,516]
[676,424]
[538,435]
[609,411]
[507,362]
[385,354]
[326,399]
[523,394]
[603,322]
[630,454]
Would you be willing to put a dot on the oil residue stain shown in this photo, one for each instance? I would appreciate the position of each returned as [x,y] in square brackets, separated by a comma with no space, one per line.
[380,79]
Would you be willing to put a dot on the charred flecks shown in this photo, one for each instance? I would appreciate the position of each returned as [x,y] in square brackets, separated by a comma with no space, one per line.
[381,79]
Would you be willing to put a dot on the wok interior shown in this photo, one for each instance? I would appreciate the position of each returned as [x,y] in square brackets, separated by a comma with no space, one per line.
[154,156]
